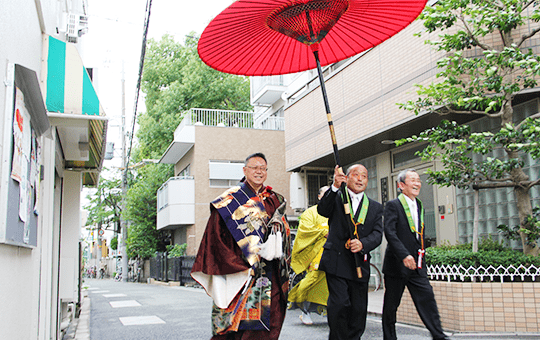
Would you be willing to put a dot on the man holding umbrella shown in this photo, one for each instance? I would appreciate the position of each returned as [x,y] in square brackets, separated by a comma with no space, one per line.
[348,299]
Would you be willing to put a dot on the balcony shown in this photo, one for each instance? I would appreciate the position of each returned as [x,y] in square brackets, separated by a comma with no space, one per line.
[184,135]
[267,90]
[176,203]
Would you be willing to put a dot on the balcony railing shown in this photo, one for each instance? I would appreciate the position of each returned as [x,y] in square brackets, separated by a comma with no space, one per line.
[258,83]
[176,202]
[227,118]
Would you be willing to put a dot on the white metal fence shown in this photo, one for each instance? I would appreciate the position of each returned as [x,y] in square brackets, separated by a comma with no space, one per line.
[481,273]
[227,118]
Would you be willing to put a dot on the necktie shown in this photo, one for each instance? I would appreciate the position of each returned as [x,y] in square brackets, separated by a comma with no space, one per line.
[355,204]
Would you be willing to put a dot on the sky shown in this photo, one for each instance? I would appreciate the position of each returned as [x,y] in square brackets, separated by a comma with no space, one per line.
[113,44]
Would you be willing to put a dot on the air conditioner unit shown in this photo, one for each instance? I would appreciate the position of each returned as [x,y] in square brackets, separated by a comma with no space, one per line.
[297,191]
[77,25]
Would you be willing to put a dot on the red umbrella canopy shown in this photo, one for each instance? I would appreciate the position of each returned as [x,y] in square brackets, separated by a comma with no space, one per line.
[271,37]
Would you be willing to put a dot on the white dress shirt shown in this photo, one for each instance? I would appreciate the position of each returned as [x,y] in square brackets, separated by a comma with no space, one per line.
[355,198]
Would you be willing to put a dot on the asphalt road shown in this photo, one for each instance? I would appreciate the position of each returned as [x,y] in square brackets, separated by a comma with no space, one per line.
[135,311]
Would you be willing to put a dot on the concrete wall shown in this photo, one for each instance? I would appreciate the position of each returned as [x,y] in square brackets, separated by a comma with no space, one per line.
[70,235]
[481,306]
[20,42]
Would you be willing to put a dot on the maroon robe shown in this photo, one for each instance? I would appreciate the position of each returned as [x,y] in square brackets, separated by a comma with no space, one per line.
[219,254]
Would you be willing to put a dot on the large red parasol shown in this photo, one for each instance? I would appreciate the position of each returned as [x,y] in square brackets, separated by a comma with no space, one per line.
[271,37]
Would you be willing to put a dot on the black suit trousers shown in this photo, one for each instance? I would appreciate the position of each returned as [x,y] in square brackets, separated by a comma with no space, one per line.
[347,307]
[423,298]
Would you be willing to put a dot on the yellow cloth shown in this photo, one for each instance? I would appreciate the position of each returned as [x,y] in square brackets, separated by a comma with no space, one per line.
[309,241]
[306,255]
[312,288]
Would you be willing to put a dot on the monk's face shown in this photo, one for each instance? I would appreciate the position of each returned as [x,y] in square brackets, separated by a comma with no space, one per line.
[255,172]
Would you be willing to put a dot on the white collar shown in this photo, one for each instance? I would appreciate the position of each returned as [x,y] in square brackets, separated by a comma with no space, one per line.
[357,196]
[410,201]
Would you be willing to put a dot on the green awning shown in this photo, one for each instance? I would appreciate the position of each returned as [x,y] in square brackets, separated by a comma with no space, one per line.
[74,108]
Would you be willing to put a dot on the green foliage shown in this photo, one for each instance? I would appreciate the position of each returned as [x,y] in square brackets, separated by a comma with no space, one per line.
[177,250]
[484,82]
[454,145]
[531,229]
[490,253]
[141,202]
[175,80]
[114,243]
[104,207]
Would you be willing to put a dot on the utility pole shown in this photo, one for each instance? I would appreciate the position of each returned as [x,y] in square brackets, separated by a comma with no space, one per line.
[123,223]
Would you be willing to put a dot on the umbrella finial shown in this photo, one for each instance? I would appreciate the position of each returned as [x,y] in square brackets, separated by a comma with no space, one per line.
[307,22]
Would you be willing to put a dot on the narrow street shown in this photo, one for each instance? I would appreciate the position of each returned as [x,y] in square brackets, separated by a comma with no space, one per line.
[135,311]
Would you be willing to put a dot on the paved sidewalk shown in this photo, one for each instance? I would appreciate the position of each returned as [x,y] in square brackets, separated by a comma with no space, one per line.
[80,328]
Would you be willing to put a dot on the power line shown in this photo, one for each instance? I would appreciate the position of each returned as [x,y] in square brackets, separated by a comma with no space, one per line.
[138,89]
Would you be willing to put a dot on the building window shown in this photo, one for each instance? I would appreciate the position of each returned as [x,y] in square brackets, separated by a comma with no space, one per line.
[225,173]
[316,180]
[223,183]
[185,171]
[405,159]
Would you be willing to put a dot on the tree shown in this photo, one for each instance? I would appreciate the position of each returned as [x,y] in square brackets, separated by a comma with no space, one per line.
[114,243]
[175,80]
[485,66]
[104,204]
[143,239]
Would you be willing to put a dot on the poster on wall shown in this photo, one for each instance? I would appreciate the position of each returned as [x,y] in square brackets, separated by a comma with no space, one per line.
[26,119]
[22,137]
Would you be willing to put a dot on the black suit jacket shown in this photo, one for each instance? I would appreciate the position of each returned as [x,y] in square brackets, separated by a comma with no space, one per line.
[336,259]
[401,241]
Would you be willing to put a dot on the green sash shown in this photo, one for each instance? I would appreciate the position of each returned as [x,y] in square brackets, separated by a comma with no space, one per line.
[361,218]
[412,225]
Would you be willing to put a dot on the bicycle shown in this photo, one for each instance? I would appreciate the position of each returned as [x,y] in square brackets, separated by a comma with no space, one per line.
[375,278]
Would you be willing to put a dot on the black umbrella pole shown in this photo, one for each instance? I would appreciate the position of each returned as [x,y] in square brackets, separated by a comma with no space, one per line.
[327,107]
[357,257]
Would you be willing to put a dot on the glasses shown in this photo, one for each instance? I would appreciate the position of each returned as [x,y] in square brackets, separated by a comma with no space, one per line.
[255,168]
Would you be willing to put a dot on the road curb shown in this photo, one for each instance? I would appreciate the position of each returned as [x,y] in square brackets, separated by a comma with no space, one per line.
[83,326]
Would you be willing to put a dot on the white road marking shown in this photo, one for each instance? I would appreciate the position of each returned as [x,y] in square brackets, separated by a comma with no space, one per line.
[141,320]
[125,303]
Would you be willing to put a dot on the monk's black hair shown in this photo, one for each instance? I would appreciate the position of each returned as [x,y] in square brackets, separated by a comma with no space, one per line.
[257,154]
